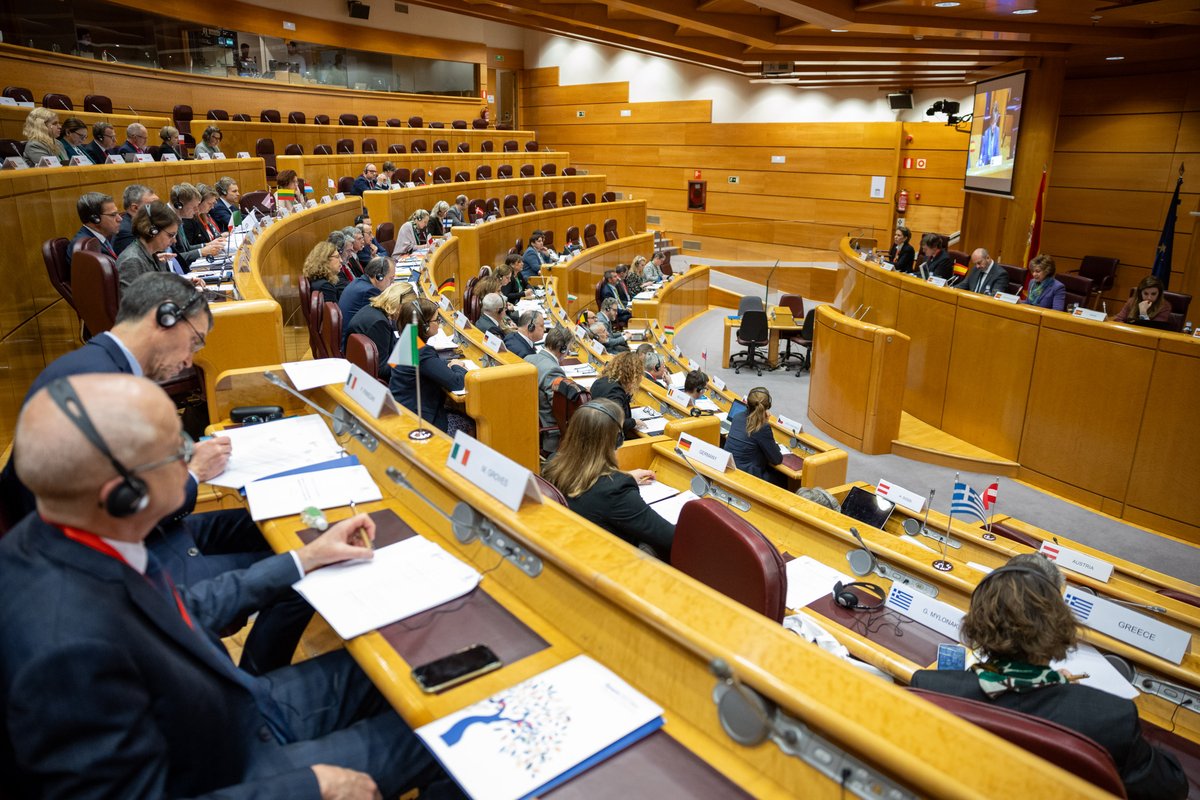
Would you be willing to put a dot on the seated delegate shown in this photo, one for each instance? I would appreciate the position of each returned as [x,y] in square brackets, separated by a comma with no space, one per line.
[377,275]
[41,132]
[902,256]
[437,376]
[618,381]
[585,470]
[1045,291]
[1019,623]
[210,142]
[751,441]
[322,267]
[74,140]
[154,228]
[938,263]
[412,234]
[379,321]
[1146,304]
[986,276]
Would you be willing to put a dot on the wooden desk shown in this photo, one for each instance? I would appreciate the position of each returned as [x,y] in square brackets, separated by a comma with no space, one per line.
[12,122]
[679,300]
[779,321]
[398,205]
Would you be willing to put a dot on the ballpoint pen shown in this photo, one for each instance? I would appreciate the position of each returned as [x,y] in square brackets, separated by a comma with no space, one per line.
[366,540]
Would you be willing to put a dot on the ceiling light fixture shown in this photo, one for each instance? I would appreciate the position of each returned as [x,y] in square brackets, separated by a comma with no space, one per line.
[946,4]
[1114,58]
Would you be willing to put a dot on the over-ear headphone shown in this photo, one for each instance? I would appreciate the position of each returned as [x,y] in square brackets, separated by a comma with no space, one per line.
[532,323]
[599,407]
[154,231]
[845,598]
[422,326]
[1014,568]
[131,495]
[169,314]
[766,395]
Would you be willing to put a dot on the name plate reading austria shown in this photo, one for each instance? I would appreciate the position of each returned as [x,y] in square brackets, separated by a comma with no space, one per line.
[1119,622]
[933,614]
[499,476]
[1076,561]
[900,496]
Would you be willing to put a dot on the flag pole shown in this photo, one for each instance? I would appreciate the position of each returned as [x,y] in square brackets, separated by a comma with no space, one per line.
[988,535]
[421,434]
[941,564]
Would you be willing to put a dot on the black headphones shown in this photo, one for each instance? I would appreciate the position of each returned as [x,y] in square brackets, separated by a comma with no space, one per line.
[845,598]
[169,314]
[1015,568]
[422,326]
[700,412]
[598,407]
[131,495]
[532,323]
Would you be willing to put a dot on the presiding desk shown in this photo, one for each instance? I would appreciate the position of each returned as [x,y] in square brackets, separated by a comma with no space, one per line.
[657,629]
[779,321]
[1101,413]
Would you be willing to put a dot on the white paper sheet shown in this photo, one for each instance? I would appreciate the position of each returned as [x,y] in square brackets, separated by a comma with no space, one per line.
[810,580]
[653,427]
[579,370]
[274,447]
[441,341]
[704,404]
[1087,660]
[678,379]
[328,488]
[669,509]
[641,413]
[402,579]
[306,375]
[654,491]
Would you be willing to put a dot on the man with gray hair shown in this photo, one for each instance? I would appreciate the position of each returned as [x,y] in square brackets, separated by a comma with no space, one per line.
[656,369]
[531,326]
[136,137]
[610,309]
[492,318]
[134,197]
[600,334]
[548,372]
[986,276]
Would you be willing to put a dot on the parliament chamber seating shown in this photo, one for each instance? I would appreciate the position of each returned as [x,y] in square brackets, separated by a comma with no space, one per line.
[401,175]
[1079,289]
[416,122]
[315,338]
[531,146]
[18,93]
[265,149]
[370,120]
[344,146]
[321,119]
[441,146]
[385,232]
[510,205]
[363,353]
[610,230]
[441,175]
[11,148]
[331,329]
[97,103]
[345,184]
[1101,269]
[297,118]
[437,124]
[218,114]
[417,176]
[269,115]
[479,124]
[487,146]
[462,176]
[370,147]
[463,147]
[240,118]
[608,197]
[529,203]
[322,150]
[504,171]
[347,119]
[795,304]
[418,146]
[548,238]
[293,150]
[511,146]
[1016,277]
[58,102]
[181,115]
[54,254]
[548,201]
[459,124]
[589,235]
[549,170]
[396,149]
[588,198]
[527,171]
[259,200]
[394,122]
[95,286]
[568,199]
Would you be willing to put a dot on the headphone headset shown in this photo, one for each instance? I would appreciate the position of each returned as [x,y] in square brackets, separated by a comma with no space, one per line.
[845,598]
[131,495]
[766,393]
[1015,568]
[169,313]
[598,407]
[532,323]
[177,205]
[422,325]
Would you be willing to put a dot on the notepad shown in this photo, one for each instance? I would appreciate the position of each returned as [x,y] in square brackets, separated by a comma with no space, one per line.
[578,370]
[654,426]
[810,580]
[670,508]
[306,375]
[274,447]
[330,488]
[654,491]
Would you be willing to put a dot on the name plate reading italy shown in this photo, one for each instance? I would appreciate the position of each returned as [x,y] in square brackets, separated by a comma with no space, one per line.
[933,614]
[499,476]
[1087,313]
[1119,622]
[369,393]
[1076,561]
[900,496]
[1005,297]
[707,454]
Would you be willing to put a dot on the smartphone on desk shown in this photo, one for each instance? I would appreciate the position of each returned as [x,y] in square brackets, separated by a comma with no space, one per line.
[460,667]
[952,656]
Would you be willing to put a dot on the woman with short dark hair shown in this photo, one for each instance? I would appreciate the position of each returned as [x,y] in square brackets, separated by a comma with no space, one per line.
[1045,291]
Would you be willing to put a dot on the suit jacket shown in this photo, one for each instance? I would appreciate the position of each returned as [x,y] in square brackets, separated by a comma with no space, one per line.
[1054,296]
[221,213]
[356,295]
[361,184]
[134,261]
[531,263]
[940,266]
[124,236]
[611,290]
[903,260]
[330,293]
[130,149]
[85,232]
[374,324]
[114,694]
[548,369]
[488,325]
[72,151]
[95,152]
[1148,773]
[437,378]
[994,280]
[36,151]
[614,503]
[519,345]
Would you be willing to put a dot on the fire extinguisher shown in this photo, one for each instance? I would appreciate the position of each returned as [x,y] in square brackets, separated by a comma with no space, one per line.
[902,200]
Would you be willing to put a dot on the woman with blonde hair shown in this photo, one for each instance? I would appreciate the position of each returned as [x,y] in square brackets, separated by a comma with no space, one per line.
[437,217]
[379,321]
[585,470]
[750,439]
[618,381]
[41,133]
[169,135]
[633,278]
[412,234]
[322,267]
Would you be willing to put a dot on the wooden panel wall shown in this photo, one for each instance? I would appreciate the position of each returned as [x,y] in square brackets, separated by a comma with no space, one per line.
[1120,144]
[796,211]
[935,193]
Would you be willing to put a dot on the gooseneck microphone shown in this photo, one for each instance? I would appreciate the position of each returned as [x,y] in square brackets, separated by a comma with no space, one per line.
[862,562]
[1131,604]
[703,486]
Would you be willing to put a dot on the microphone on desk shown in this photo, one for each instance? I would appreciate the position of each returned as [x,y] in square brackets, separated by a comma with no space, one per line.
[703,486]
[1131,604]
[343,421]
[862,562]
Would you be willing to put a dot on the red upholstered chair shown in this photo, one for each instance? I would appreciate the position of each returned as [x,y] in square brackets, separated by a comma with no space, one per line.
[1016,278]
[462,176]
[473,307]
[441,146]
[97,104]
[474,207]
[529,202]
[550,490]
[463,147]
[510,205]
[504,171]
[304,289]
[265,149]
[608,197]
[589,198]
[241,118]
[363,353]
[269,115]
[293,150]
[331,329]
[441,174]
[315,340]
[54,254]
[589,235]
[563,408]
[459,124]
[528,171]
[344,146]
[321,119]
[96,289]
[666,268]
[322,150]
[401,176]
[518,247]
[487,146]
[345,184]
[492,207]
[18,93]
[479,124]
[219,114]
[1180,303]
[721,550]
[370,146]
[58,102]
[549,170]
[418,176]
[483,173]
[347,119]
[1048,740]
[511,146]
[396,148]
[437,124]
[1100,269]
[370,120]
[182,116]
[568,199]
[569,171]
[1079,288]
[297,118]
[610,230]
[385,232]
[261,201]
[596,291]
[416,122]
[548,200]
[548,238]
[531,146]
[572,235]
[418,146]
[393,122]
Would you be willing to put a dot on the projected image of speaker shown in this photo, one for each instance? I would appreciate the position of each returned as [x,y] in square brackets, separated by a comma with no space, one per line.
[900,101]
[359,10]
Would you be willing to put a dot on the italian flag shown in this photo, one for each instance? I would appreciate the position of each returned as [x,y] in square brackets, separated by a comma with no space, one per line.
[460,453]
[405,354]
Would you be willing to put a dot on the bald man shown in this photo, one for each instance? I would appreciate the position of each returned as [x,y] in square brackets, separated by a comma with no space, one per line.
[986,276]
[366,181]
[110,672]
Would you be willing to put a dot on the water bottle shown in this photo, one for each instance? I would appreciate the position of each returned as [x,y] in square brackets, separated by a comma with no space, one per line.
[1187,327]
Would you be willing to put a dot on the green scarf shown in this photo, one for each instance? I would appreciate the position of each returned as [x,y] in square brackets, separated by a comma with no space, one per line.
[997,677]
[1035,290]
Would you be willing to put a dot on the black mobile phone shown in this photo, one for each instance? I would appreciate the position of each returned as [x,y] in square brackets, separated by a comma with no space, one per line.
[456,668]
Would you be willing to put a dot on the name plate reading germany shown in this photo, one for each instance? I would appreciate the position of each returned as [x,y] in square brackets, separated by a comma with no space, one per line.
[499,476]
[1076,561]
[933,614]
[1119,622]
[707,454]
[1087,313]
[1005,297]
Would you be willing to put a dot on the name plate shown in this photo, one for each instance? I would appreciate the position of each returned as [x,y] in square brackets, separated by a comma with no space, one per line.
[7,101]
[219,156]
[339,196]
[312,203]
[936,281]
[924,610]
[369,393]
[707,454]
[675,351]
[1076,561]
[581,333]
[49,161]
[795,427]
[1119,622]
[885,265]
[243,154]
[144,158]
[203,157]
[284,211]
[444,302]
[595,347]
[502,478]
[900,496]
[460,319]
[493,342]
[663,340]
[680,396]
[692,365]
[168,157]
[1087,313]
[114,160]
[326,199]
[80,161]
[717,382]
[1005,297]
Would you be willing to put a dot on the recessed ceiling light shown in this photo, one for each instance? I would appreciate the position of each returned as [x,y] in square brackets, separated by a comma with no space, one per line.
[1023,11]
[946,4]
[839,30]
[1114,58]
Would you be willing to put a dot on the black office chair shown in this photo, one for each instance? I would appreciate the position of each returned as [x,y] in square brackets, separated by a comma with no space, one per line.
[752,335]
[805,340]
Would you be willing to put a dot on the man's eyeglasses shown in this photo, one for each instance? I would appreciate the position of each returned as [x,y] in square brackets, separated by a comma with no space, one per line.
[187,446]
[197,345]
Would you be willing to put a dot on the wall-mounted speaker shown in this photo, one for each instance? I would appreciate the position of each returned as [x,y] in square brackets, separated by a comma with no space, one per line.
[359,10]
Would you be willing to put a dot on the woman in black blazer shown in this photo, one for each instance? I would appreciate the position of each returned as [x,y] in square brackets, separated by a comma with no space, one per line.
[585,470]
[322,268]
[437,376]
[379,320]
[618,381]
[750,439]
[902,255]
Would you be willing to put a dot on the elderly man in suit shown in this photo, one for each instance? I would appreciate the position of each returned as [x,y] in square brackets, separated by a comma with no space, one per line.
[986,276]
[114,680]
[531,326]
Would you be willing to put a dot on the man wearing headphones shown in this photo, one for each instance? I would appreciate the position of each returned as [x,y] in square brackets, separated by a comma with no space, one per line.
[378,275]
[656,369]
[161,323]
[227,206]
[531,326]
[366,181]
[114,679]
[491,319]
[549,372]
[134,197]
[101,221]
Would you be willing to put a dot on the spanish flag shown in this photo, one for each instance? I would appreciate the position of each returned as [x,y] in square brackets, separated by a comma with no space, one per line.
[446,286]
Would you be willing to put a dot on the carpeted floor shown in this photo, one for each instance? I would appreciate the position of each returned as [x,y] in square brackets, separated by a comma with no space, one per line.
[790,398]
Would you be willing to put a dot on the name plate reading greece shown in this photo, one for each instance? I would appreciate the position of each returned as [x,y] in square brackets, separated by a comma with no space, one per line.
[933,614]
[1076,561]
[1119,622]
[370,393]
[499,476]
[707,454]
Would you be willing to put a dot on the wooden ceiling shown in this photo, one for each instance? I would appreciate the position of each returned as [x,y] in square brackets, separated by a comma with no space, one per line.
[882,43]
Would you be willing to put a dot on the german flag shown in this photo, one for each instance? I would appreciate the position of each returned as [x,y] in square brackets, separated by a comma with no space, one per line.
[446,286]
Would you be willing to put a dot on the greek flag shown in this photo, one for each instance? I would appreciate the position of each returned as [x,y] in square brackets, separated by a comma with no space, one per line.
[901,599]
[1081,608]
[967,501]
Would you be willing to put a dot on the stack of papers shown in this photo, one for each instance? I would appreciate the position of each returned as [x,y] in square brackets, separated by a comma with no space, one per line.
[678,379]
[579,370]
[540,733]
[306,375]
[653,426]
[809,580]
[644,295]
[704,404]
[327,488]
[669,508]
[441,341]
[260,451]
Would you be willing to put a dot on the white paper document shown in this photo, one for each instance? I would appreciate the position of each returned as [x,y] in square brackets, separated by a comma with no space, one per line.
[654,491]
[1087,660]
[306,375]
[403,579]
[704,404]
[669,509]
[526,739]
[653,426]
[809,580]
[678,379]
[274,447]
[328,488]
[441,341]
[579,370]
[644,295]
[641,413]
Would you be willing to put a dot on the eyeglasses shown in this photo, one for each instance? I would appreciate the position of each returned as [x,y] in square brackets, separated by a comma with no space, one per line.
[187,446]
[114,214]
[197,345]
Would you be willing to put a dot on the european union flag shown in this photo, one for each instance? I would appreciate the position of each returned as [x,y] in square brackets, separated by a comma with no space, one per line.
[1162,257]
